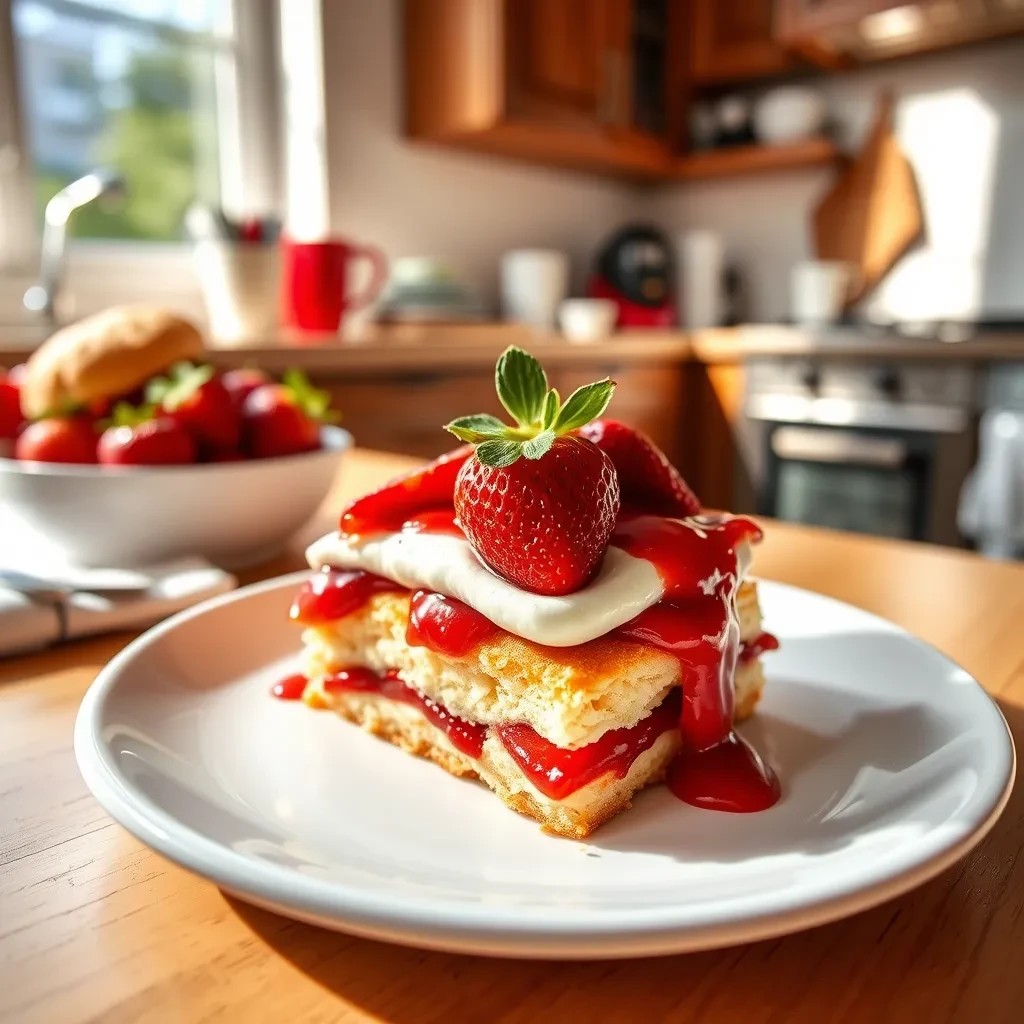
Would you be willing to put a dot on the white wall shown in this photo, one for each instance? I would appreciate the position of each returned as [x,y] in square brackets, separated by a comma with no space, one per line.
[960,120]
[416,201]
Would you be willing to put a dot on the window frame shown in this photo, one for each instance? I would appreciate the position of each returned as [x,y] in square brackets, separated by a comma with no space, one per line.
[248,75]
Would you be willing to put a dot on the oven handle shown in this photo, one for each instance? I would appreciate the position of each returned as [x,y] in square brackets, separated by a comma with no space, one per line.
[809,445]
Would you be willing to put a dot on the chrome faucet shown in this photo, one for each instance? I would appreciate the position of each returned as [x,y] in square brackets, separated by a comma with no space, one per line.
[42,296]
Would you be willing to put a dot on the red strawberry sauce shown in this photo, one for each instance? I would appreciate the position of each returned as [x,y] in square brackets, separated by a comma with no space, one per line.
[334,593]
[289,688]
[446,625]
[694,622]
[467,737]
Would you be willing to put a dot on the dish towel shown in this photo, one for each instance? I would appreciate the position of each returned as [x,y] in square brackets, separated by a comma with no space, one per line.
[992,500]
[101,601]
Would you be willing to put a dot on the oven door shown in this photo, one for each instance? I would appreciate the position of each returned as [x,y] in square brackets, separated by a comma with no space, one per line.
[858,479]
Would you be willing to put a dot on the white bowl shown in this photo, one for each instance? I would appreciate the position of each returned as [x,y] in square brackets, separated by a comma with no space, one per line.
[788,114]
[587,320]
[233,513]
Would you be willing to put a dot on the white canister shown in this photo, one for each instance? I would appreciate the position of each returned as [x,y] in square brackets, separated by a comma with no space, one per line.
[533,284]
[700,262]
[819,290]
[240,283]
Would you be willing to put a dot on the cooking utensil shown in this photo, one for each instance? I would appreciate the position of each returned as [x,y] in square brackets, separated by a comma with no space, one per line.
[872,215]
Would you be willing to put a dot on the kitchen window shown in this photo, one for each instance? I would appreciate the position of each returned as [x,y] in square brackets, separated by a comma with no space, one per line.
[158,91]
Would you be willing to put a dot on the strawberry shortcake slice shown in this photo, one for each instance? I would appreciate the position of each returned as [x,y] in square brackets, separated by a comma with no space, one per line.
[547,610]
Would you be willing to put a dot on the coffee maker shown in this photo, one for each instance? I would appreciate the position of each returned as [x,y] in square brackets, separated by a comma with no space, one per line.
[635,269]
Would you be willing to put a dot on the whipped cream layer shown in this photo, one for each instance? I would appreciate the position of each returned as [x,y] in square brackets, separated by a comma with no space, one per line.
[624,587]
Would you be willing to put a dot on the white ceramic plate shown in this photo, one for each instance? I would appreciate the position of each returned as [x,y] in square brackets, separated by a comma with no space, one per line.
[894,763]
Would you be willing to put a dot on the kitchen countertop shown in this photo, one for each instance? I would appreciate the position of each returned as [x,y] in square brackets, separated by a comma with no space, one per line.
[429,349]
[95,926]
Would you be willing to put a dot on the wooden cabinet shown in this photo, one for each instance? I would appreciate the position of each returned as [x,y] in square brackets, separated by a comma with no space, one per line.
[733,41]
[552,81]
[560,58]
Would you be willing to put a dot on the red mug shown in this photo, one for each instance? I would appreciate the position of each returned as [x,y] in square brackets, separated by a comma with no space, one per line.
[315,293]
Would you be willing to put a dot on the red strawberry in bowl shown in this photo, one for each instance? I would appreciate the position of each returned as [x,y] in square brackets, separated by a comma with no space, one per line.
[199,401]
[11,419]
[145,437]
[243,382]
[285,419]
[537,503]
[67,439]
[649,482]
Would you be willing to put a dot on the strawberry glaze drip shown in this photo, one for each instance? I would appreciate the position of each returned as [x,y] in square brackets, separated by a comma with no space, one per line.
[446,625]
[696,624]
[730,776]
[334,593]
[467,737]
[289,688]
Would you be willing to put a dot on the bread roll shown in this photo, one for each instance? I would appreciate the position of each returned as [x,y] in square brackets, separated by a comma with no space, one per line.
[109,354]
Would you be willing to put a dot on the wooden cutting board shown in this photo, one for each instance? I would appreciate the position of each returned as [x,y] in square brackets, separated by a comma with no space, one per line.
[872,215]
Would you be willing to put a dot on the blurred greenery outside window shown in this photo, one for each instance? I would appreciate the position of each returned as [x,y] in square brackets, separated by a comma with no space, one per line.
[127,84]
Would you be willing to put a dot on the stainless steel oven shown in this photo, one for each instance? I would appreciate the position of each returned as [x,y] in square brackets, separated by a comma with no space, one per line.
[873,448]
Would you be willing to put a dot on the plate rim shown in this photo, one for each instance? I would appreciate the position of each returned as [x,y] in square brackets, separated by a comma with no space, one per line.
[434,923]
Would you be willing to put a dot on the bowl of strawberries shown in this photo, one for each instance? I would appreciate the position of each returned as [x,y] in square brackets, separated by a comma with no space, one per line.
[120,446]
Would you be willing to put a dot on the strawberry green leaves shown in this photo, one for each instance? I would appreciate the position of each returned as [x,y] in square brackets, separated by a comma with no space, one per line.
[477,428]
[583,405]
[522,386]
[538,411]
[183,380]
[314,402]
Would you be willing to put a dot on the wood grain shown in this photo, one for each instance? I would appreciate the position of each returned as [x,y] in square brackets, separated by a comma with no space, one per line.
[93,926]
[734,42]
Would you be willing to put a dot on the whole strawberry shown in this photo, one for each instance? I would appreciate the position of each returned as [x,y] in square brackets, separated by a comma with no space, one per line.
[145,437]
[285,419]
[243,382]
[68,439]
[11,419]
[537,504]
[649,482]
[197,399]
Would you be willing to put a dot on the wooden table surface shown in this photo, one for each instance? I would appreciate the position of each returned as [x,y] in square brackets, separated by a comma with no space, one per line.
[93,926]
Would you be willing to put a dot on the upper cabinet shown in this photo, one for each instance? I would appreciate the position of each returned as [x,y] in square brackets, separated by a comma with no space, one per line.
[553,81]
[562,60]
[730,42]
[606,85]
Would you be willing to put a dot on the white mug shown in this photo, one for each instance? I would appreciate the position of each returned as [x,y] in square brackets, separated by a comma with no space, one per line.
[587,320]
[533,284]
[819,290]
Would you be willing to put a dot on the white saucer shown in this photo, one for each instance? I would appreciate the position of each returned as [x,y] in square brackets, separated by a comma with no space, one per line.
[894,763]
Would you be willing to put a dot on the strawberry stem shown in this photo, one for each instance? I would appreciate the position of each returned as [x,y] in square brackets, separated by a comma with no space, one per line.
[538,411]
